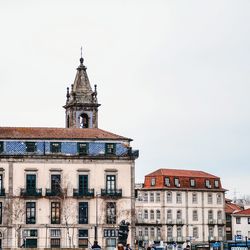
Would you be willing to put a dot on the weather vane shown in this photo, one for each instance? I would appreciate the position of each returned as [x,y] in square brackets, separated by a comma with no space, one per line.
[81,51]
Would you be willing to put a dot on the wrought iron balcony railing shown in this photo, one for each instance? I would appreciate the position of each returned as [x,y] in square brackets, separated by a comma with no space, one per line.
[115,193]
[54,192]
[33,192]
[83,193]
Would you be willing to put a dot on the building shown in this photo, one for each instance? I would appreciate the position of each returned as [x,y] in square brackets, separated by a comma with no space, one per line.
[65,187]
[176,206]
[241,225]
[230,208]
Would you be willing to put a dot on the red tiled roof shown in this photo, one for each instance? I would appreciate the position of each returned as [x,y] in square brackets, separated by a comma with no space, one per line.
[231,208]
[243,212]
[181,173]
[57,133]
[184,177]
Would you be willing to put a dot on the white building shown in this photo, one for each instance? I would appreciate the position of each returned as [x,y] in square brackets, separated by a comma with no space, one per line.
[176,206]
[241,225]
[65,187]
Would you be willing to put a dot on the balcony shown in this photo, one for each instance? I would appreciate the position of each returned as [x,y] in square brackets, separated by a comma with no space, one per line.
[87,193]
[2,191]
[212,222]
[114,193]
[221,222]
[34,192]
[54,192]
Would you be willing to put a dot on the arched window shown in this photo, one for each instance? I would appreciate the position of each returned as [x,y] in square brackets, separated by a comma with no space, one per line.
[178,215]
[169,214]
[219,215]
[84,121]
[170,232]
[210,214]
[169,197]
[158,214]
[67,121]
[152,214]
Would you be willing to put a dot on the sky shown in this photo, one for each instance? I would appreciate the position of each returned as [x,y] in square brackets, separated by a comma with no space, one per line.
[171,74]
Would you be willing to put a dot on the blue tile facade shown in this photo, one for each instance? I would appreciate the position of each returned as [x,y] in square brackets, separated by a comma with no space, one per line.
[67,148]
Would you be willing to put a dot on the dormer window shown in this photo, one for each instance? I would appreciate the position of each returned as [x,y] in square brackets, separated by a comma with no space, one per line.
[110,148]
[84,121]
[177,182]
[30,147]
[1,146]
[82,148]
[152,181]
[55,147]
[192,182]
[167,181]
[207,184]
[216,183]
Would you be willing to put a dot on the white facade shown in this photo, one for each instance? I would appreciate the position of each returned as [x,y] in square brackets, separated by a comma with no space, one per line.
[241,226]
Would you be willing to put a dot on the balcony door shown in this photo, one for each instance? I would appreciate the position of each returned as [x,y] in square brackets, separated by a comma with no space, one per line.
[31,182]
[83,184]
[110,183]
[55,182]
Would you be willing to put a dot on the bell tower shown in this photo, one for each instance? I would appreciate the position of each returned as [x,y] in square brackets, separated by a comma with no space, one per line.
[81,107]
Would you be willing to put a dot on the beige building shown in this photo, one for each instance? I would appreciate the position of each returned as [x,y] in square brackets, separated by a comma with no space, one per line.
[65,187]
[179,206]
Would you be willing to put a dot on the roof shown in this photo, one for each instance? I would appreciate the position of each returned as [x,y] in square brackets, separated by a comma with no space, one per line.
[243,212]
[30,133]
[231,208]
[181,173]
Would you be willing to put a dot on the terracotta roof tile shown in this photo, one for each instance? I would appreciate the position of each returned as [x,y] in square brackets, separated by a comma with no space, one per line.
[231,208]
[243,212]
[57,133]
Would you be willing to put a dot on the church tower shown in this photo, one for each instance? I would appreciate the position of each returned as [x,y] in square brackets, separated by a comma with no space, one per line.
[81,104]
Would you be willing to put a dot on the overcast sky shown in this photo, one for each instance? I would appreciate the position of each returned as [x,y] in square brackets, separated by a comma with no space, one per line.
[173,75]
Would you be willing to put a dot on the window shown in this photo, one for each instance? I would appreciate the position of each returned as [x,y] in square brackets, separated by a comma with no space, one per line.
[238,220]
[210,215]
[158,214]
[210,231]
[111,213]
[1,146]
[167,181]
[210,199]
[55,182]
[55,243]
[192,182]
[83,213]
[140,232]
[219,199]
[84,121]
[194,198]
[83,184]
[30,233]
[1,212]
[220,231]
[146,197]
[195,232]
[195,215]
[83,238]
[110,182]
[178,198]
[216,183]
[152,214]
[31,182]
[219,215]
[179,232]
[83,148]
[158,197]
[110,148]
[176,182]
[178,215]
[111,243]
[1,184]
[248,220]
[169,197]
[207,184]
[238,232]
[146,214]
[152,197]
[55,233]
[170,232]
[169,214]
[55,212]
[146,231]
[55,147]
[152,181]
[30,147]
[152,231]
[30,213]
[110,233]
